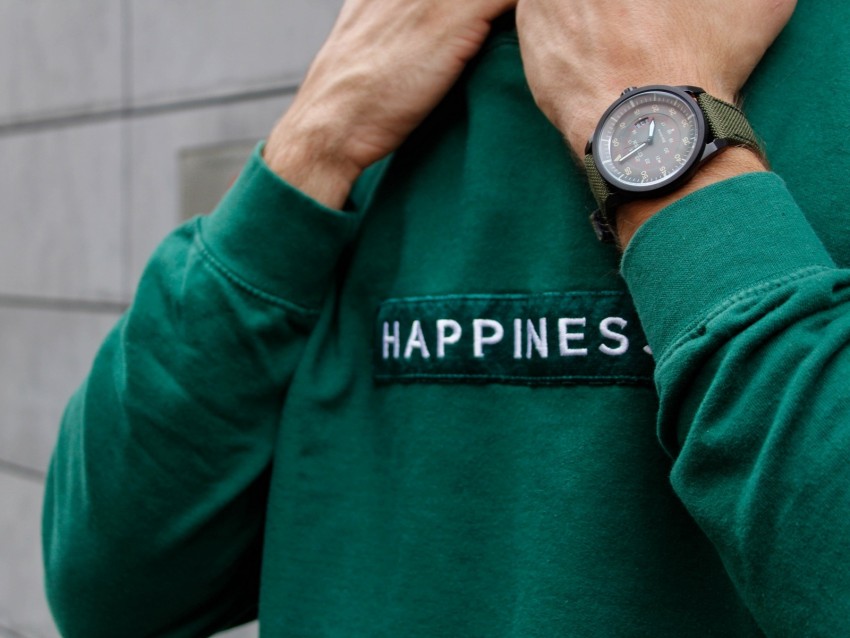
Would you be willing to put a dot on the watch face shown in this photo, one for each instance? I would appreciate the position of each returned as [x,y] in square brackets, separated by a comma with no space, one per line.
[650,138]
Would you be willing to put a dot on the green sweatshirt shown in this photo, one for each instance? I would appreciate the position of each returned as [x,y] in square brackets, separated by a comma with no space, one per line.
[436,413]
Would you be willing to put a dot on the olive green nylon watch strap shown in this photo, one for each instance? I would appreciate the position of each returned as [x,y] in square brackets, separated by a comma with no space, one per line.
[728,123]
[602,193]
[728,126]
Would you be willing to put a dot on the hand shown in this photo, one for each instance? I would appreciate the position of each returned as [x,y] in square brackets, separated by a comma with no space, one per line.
[384,67]
[579,55]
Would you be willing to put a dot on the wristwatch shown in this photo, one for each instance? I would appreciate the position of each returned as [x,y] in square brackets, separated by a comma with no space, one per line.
[652,140]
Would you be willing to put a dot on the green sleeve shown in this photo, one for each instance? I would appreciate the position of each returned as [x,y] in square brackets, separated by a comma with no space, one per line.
[749,321]
[157,488]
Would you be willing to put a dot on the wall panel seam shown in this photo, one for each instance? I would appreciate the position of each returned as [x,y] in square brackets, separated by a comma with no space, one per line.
[22,472]
[23,302]
[8,632]
[130,112]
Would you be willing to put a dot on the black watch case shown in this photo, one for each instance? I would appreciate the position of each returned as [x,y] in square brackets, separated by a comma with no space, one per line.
[638,109]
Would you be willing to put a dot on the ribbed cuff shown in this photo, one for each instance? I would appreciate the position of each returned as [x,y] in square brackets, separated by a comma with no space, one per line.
[275,238]
[712,244]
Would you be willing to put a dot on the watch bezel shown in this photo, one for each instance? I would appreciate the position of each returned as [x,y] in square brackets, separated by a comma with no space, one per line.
[687,95]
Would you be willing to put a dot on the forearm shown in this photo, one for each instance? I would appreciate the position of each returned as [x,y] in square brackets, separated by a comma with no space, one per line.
[155,502]
[747,317]
[763,418]
[307,149]
[157,464]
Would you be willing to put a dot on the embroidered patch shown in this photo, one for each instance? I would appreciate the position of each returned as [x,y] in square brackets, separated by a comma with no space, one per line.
[544,339]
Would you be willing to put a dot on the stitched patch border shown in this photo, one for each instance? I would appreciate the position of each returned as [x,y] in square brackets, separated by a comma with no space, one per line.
[570,338]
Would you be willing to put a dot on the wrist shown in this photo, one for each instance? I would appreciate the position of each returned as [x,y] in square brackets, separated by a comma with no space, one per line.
[658,143]
[310,156]
[732,162]
[578,120]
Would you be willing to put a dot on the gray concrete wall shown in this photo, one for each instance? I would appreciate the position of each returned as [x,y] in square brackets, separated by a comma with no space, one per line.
[99,101]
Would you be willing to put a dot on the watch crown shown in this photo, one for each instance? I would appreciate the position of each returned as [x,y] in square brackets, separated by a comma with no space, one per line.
[629,90]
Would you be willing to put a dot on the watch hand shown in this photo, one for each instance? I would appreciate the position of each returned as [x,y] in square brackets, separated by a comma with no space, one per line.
[620,158]
[651,131]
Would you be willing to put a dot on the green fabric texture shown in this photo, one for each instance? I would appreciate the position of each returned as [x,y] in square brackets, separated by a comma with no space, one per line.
[713,245]
[232,453]
[262,217]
